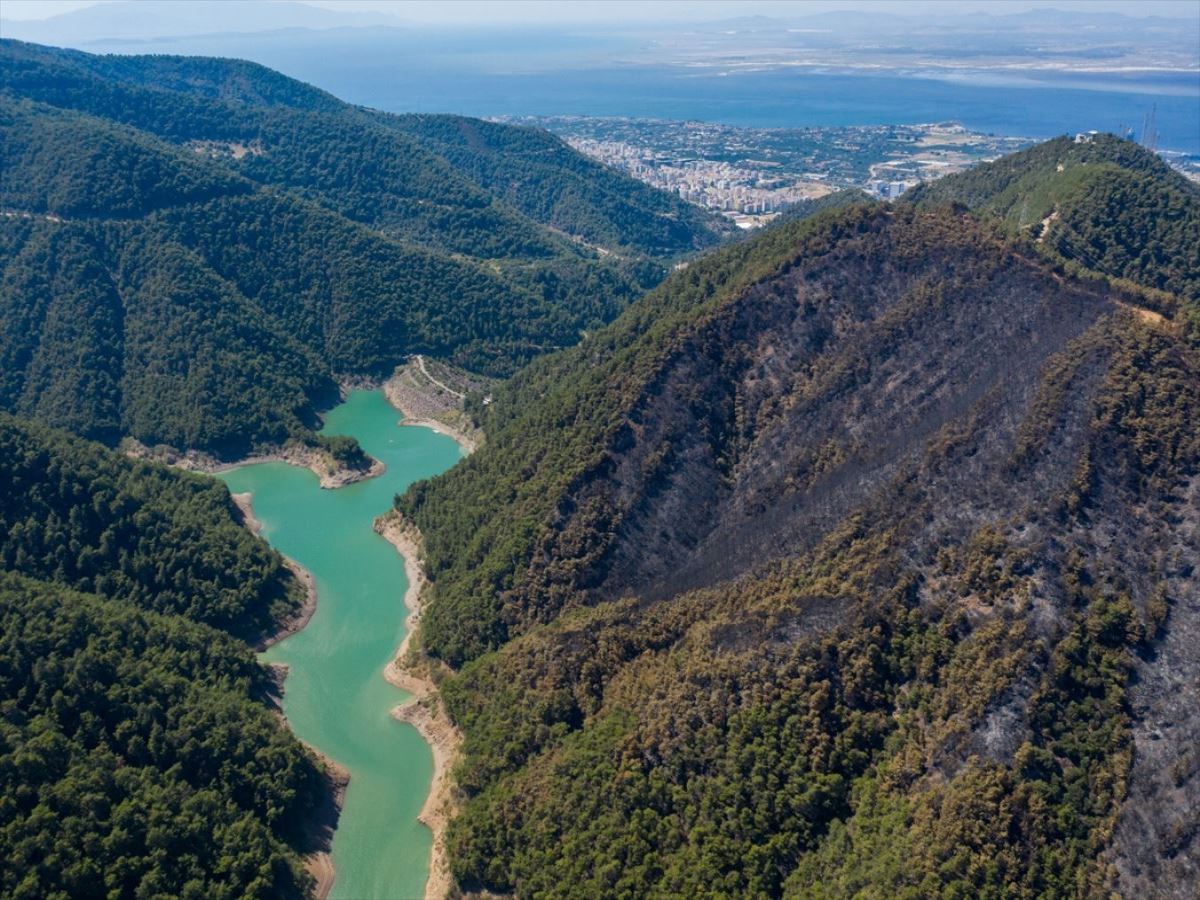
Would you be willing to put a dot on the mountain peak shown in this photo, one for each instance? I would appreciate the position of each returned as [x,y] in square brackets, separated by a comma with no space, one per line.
[889,479]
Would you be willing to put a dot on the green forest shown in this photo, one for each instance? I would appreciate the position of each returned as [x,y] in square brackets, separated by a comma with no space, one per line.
[89,519]
[548,181]
[138,753]
[196,249]
[1103,207]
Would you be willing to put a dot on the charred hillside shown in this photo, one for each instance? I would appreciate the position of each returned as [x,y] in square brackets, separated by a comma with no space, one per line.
[794,404]
[859,558]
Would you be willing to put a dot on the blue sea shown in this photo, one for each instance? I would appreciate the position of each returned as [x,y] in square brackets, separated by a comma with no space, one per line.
[788,98]
[541,73]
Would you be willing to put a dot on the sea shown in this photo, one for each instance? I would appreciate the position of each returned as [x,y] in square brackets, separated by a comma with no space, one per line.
[552,74]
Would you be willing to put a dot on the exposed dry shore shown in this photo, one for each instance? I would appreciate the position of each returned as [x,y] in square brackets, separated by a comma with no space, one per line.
[421,397]
[408,671]
[428,402]
[320,865]
[308,607]
[319,463]
[413,673]
[462,438]
[317,836]
[319,861]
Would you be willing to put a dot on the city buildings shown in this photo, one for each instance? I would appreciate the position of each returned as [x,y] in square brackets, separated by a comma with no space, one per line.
[752,174]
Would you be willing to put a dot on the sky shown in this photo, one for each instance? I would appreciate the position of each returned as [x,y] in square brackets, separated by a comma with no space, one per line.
[519,12]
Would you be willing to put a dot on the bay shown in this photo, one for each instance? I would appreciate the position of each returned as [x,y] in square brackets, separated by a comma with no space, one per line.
[551,73]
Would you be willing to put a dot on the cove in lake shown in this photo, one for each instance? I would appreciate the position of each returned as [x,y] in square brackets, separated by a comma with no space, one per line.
[335,697]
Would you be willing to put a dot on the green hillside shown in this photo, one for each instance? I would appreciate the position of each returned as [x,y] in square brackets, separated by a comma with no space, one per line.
[418,177]
[546,180]
[857,559]
[84,517]
[192,250]
[138,756]
[77,166]
[1104,206]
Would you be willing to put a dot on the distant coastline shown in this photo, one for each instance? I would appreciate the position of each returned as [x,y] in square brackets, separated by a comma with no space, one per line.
[407,671]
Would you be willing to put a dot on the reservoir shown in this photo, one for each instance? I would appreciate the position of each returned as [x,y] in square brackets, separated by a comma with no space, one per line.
[335,697]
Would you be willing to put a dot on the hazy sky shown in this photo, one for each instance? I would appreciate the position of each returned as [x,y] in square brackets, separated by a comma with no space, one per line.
[539,11]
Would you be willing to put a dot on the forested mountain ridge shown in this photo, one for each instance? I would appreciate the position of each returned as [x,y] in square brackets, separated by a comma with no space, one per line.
[1103,206]
[545,179]
[82,516]
[72,166]
[138,756]
[363,163]
[860,558]
[277,237]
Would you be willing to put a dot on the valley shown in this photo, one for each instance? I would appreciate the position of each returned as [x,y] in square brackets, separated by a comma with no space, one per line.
[414,505]
[335,696]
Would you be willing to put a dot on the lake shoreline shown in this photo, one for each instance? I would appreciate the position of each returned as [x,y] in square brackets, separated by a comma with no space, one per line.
[425,404]
[424,710]
[459,437]
[328,472]
[319,831]
[412,672]
[308,607]
[407,671]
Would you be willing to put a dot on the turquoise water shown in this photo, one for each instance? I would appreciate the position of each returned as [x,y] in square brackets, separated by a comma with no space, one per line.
[336,698]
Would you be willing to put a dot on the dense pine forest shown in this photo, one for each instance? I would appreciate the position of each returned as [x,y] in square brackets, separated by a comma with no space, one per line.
[138,753]
[857,559]
[193,250]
